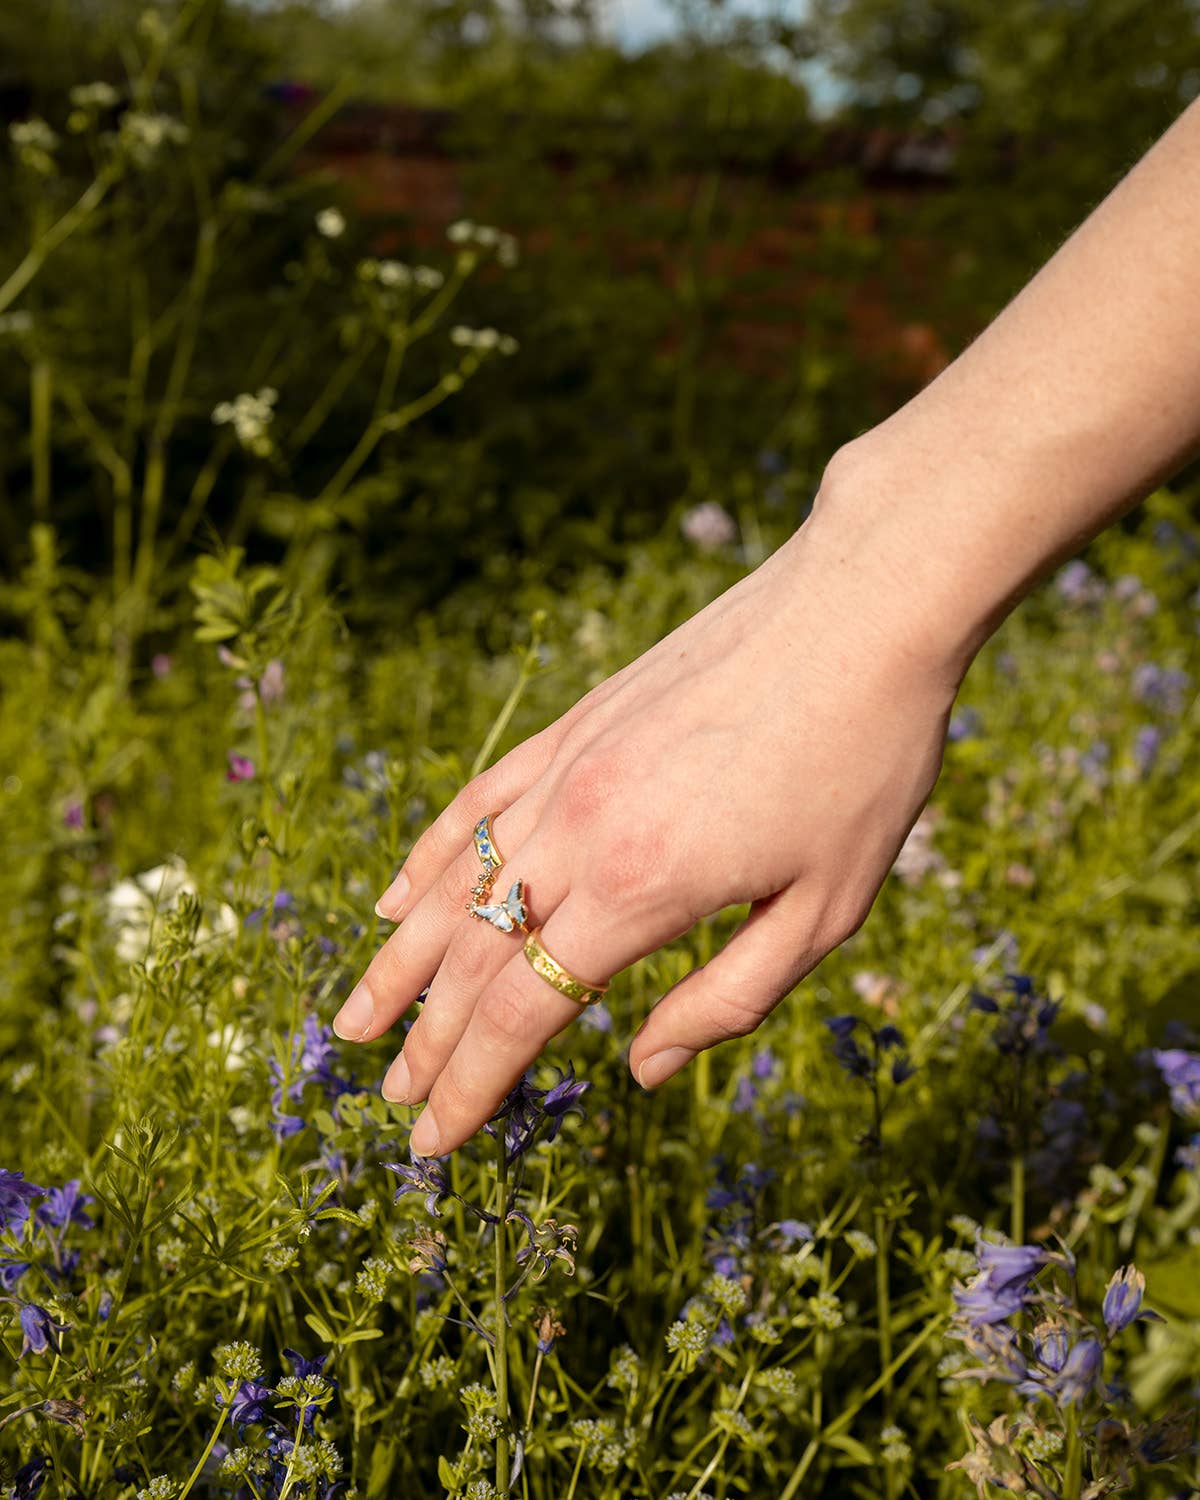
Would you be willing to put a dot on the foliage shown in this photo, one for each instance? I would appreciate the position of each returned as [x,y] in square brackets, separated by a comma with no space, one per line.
[764,1256]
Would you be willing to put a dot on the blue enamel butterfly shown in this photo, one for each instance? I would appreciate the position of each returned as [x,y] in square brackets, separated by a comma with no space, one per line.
[509,914]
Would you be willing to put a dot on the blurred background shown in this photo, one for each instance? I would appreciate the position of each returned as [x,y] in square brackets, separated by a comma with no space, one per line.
[718,239]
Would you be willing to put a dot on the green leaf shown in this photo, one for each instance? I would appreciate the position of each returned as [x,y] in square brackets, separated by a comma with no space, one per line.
[321,1328]
[362,1335]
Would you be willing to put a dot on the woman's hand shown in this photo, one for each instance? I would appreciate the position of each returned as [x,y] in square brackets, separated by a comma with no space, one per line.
[775,749]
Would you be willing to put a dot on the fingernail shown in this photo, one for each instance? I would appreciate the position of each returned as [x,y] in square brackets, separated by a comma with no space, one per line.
[398,1084]
[390,903]
[354,1019]
[659,1066]
[425,1137]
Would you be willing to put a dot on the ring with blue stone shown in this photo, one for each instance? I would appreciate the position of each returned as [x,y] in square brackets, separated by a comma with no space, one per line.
[489,856]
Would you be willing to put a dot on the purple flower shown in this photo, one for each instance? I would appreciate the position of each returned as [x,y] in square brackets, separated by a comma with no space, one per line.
[1000,1289]
[11,1272]
[240,768]
[764,1064]
[527,1109]
[301,1366]
[793,1232]
[1181,1073]
[1080,1371]
[426,1175]
[40,1329]
[1076,582]
[65,1205]
[249,1405]
[1123,1298]
[15,1197]
[1161,687]
[1146,745]
[745,1097]
[73,814]
[1050,1346]
[160,664]
[964,725]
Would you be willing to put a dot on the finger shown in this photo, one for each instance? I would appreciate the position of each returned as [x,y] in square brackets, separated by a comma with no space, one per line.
[731,994]
[476,954]
[514,1018]
[443,841]
[409,959]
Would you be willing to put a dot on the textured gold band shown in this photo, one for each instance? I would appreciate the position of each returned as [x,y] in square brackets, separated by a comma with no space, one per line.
[553,973]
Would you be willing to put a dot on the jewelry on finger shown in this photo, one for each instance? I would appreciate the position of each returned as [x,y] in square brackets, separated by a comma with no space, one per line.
[562,979]
[509,915]
[489,856]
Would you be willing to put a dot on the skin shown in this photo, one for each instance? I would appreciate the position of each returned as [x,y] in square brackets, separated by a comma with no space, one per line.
[777,748]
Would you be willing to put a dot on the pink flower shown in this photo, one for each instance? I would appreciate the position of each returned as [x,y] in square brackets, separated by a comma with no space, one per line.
[709,526]
[240,769]
[160,664]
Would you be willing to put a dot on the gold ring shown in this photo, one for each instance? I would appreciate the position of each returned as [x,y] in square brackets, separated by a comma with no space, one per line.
[553,973]
[485,847]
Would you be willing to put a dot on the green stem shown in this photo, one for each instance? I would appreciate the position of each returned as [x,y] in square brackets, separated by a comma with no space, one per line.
[883,1307]
[529,663]
[501,1315]
[41,387]
[1017,1180]
[204,1457]
[46,244]
[1073,1480]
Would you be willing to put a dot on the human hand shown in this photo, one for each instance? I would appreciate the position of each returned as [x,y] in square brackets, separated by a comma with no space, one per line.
[775,749]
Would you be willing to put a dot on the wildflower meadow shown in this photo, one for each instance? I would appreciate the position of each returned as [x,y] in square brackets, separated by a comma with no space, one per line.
[933,1231]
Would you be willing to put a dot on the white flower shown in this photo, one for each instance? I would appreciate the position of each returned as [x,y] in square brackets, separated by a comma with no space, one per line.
[331,222]
[135,903]
[461,232]
[483,339]
[250,416]
[143,134]
[427,278]
[394,273]
[708,525]
[33,133]
[16,322]
[94,96]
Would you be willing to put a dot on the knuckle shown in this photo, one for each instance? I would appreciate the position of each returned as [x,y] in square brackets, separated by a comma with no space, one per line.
[588,784]
[468,962]
[506,1013]
[732,1018]
[631,867]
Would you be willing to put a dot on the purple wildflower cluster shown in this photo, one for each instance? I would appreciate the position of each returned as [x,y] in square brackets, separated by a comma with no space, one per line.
[1063,1357]
[1022,1327]
[313,1052]
[272,1411]
[1180,1072]
[30,1235]
[529,1111]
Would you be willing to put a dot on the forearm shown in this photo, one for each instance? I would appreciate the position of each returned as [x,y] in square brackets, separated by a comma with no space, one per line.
[1078,398]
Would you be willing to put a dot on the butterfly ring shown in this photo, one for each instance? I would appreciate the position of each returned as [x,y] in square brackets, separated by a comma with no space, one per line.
[509,915]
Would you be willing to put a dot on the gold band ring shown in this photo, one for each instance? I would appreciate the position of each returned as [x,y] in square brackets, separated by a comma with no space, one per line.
[553,973]
[485,846]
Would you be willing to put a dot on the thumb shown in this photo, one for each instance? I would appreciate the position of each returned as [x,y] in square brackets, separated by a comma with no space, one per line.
[731,994]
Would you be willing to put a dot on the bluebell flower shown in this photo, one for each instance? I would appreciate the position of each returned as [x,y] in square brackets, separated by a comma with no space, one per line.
[745,1097]
[15,1197]
[888,1037]
[40,1330]
[1181,1073]
[1001,1288]
[1146,744]
[314,1052]
[1161,687]
[1080,1371]
[965,724]
[842,1026]
[1050,1346]
[1077,583]
[282,901]
[427,1175]
[528,1109]
[764,1064]
[1123,1298]
[11,1272]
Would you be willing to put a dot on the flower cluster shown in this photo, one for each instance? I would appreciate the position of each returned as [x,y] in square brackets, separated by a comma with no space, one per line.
[38,1235]
[313,1052]
[278,1447]
[396,275]
[250,417]
[468,235]
[482,340]
[1180,1071]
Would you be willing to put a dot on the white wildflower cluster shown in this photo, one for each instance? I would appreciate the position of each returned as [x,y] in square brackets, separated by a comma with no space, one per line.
[959,1262]
[14,324]
[331,223]
[303,1390]
[484,340]
[482,1489]
[1043,1443]
[483,1426]
[728,1294]
[184,1378]
[142,135]
[87,101]
[468,235]
[739,1426]
[895,1450]
[687,1495]
[315,1461]
[170,1253]
[281,1258]
[688,1338]
[250,417]
[602,1444]
[437,1373]
[238,1463]
[965,1226]
[778,1381]
[623,1373]
[826,1310]
[327,1274]
[398,276]
[861,1243]
[35,143]
[161,1487]
[238,1360]
[372,1279]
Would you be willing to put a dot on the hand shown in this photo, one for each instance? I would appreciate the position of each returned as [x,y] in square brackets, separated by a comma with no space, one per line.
[775,749]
